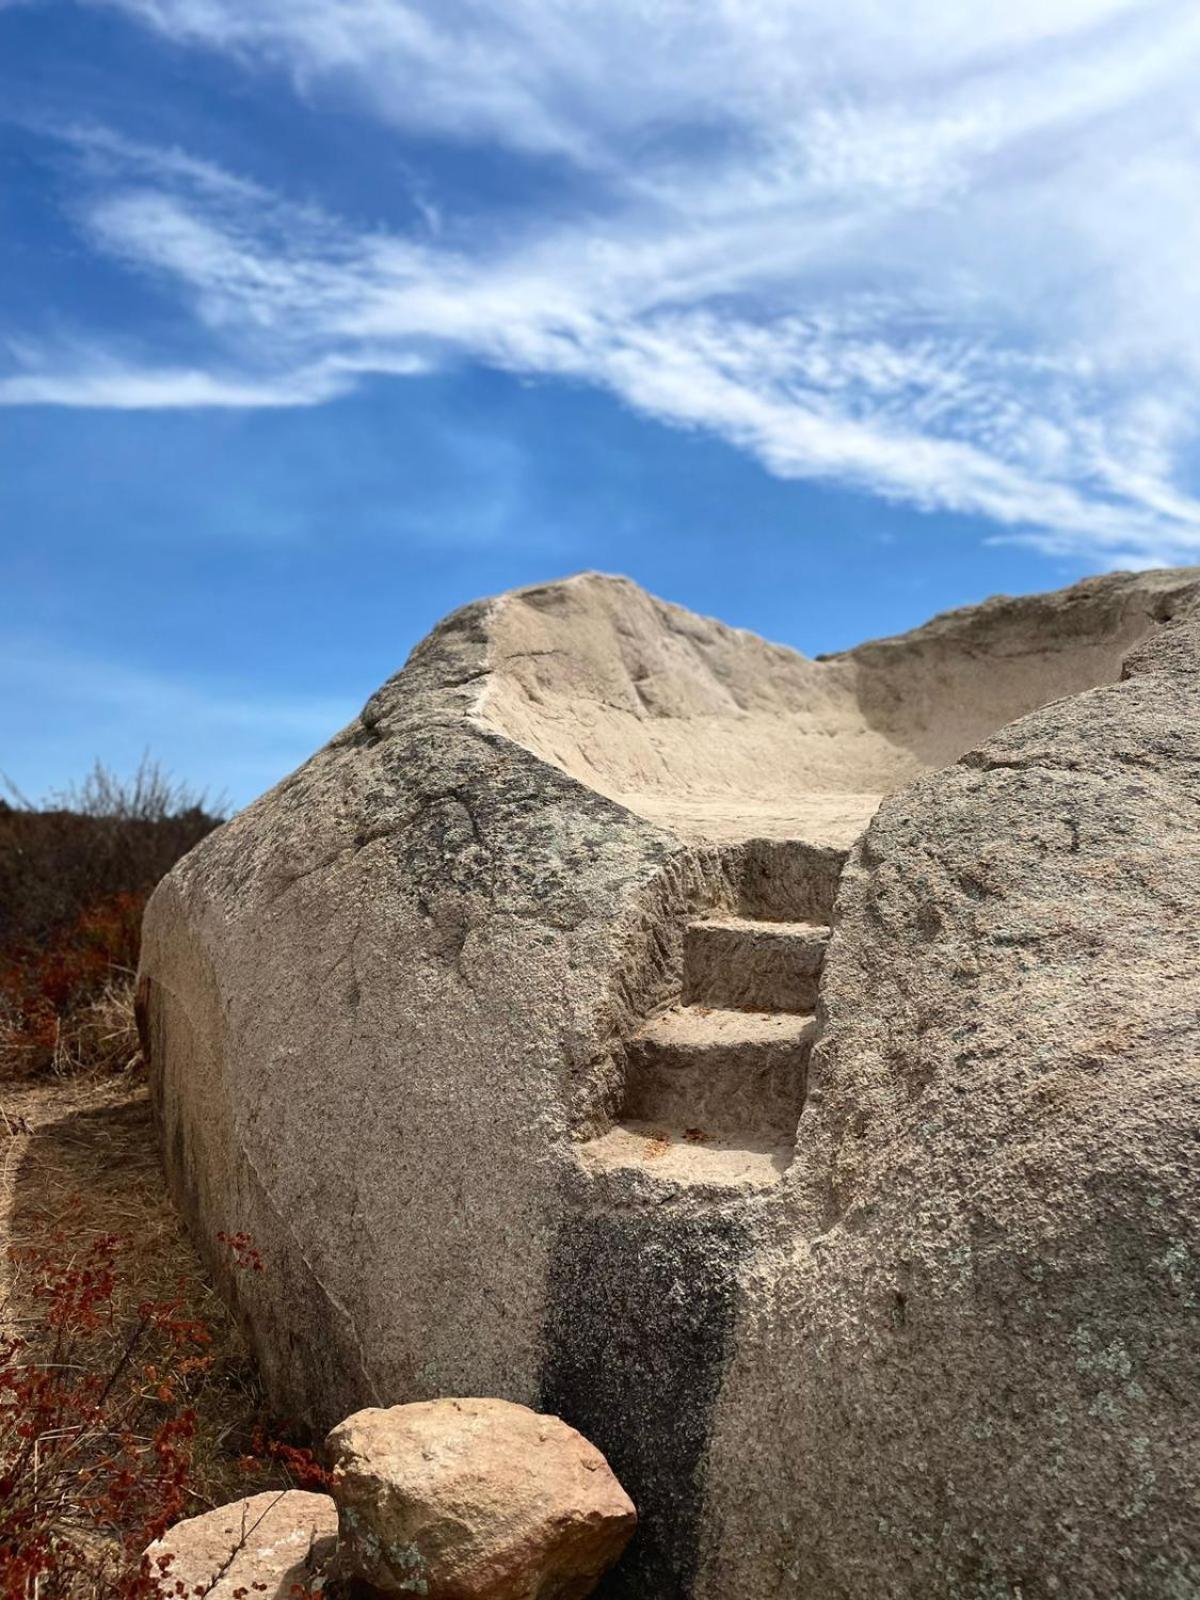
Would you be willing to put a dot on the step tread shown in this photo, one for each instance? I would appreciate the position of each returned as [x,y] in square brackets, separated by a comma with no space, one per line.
[688,1158]
[699,1027]
[762,928]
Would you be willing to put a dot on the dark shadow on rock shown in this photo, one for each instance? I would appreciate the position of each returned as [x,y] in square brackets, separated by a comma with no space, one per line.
[642,1306]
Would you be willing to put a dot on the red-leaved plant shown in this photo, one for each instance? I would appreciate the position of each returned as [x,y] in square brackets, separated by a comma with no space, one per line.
[95,1460]
[66,1007]
[98,1429]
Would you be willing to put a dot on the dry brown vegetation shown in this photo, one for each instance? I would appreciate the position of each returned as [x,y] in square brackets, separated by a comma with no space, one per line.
[127,1395]
[104,837]
[74,879]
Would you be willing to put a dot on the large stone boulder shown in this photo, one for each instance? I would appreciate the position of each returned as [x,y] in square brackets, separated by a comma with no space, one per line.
[475,1500]
[976,1337]
[879,1287]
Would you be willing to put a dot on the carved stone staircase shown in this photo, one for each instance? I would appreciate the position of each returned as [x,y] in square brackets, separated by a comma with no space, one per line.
[714,1087]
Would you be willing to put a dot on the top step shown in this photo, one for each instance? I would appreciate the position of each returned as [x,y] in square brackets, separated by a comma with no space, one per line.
[742,964]
[788,879]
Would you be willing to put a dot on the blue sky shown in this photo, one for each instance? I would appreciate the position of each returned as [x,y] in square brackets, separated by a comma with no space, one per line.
[321,317]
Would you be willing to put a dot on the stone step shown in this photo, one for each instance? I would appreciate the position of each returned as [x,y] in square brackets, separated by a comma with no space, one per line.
[788,880]
[647,1160]
[741,964]
[720,1073]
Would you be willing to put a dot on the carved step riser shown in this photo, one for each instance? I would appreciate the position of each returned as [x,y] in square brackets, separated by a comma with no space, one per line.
[752,1092]
[784,880]
[752,968]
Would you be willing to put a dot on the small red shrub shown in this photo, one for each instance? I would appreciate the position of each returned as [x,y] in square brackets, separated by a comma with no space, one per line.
[297,1463]
[98,1429]
[242,1248]
[95,1455]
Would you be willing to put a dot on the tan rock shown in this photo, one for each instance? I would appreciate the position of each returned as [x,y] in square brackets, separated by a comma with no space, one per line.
[491,1025]
[979,1354]
[265,1544]
[475,1500]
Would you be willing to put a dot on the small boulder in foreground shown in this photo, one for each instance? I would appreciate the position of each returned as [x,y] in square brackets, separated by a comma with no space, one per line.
[475,1500]
[265,1544]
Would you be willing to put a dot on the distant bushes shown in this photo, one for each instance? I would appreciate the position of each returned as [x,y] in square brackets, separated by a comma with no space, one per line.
[74,879]
[105,837]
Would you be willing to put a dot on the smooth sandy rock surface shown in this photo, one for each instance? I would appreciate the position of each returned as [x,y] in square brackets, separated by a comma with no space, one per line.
[475,1500]
[264,1544]
[398,1011]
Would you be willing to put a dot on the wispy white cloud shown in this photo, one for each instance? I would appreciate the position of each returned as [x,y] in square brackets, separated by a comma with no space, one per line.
[944,254]
[577,76]
[114,387]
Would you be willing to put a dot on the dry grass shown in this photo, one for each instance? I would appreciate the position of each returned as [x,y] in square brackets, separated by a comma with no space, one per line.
[100,1037]
[95,1037]
[127,1394]
[182,1428]
[81,1163]
[88,1168]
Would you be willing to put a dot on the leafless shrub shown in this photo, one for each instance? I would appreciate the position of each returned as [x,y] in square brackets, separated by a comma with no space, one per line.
[103,837]
[74,877]
[149,794]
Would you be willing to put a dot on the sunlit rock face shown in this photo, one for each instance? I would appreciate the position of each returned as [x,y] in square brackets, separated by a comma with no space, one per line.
[782,1070]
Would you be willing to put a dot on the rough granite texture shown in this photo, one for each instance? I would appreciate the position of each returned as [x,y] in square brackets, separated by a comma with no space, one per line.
[267,1546]
[975,1341]
[947,1351]
[474,1499]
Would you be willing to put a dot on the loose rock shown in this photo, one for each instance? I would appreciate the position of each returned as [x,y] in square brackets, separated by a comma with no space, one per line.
[475,1500]
[264,1544]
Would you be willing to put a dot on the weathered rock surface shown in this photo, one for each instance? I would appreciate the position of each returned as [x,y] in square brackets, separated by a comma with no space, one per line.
[439,1022]
[475,1500]
[975,1343]
[263,1545]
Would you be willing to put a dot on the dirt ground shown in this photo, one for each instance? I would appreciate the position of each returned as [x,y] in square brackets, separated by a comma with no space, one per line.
[79,1159]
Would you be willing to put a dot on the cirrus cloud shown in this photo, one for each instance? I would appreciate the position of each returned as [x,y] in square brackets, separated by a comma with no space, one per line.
[947,258]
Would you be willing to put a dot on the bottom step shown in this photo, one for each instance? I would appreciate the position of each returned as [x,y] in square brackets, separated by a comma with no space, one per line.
[686,1158]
